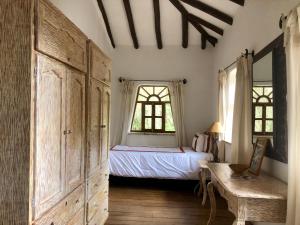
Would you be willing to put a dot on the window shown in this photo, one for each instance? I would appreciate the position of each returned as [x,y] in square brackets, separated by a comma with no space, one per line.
[229,96]
[153,111]
[262,110]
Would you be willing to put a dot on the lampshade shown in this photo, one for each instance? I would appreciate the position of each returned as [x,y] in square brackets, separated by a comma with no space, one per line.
[216,127]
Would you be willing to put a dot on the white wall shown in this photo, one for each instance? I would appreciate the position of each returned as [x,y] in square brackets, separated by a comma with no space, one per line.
[86,15]
[255,25]
[193,64]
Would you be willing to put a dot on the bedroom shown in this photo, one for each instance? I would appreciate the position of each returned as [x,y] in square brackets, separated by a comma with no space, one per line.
[132,201]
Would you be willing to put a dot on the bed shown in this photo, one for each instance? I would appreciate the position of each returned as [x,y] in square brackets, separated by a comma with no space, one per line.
[156,162]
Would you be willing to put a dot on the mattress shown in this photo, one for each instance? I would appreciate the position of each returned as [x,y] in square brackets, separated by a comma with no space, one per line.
[161,163]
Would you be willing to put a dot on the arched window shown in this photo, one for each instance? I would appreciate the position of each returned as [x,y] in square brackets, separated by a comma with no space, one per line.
[153,110]
[263,110]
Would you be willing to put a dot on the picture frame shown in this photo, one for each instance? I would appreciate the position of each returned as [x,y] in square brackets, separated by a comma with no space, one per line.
[258,155]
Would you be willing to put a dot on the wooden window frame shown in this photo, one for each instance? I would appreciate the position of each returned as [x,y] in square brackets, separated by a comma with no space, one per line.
[153,115]
[264,118]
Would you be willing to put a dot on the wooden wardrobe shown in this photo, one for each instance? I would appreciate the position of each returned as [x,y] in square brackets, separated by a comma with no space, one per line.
[55,107]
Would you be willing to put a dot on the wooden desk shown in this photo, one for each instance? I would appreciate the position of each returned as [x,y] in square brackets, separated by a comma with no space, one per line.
[258,199]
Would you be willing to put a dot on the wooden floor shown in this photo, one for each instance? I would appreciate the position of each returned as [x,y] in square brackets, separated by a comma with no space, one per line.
[148,202]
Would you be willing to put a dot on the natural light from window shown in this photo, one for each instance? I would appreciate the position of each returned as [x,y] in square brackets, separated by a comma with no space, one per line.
[153,110]
[230,104]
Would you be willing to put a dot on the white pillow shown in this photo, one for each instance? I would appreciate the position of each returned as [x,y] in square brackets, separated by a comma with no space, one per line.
[194,142]
[201,145]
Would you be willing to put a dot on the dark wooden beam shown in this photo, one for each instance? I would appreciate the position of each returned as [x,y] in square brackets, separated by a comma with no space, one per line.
[239,2]
[157,23]
[210,10]
[183,11]
[104,15]
[185,31]
[203,22]
[131,23]
[204,33]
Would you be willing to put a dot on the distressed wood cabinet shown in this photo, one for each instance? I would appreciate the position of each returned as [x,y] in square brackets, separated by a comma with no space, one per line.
[54,120]
[97,136]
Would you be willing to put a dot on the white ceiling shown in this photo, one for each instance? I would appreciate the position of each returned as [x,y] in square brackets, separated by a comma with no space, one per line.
[171,29]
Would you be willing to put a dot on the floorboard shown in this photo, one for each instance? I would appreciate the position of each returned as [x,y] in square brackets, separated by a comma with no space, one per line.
[150,202]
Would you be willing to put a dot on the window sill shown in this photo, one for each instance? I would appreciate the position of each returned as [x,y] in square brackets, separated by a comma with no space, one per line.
[149,133]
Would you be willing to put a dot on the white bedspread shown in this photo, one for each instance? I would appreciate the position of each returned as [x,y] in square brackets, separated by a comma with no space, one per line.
[157,164]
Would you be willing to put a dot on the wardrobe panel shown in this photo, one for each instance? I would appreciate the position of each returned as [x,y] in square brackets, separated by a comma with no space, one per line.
[75,131]
[57,36]
[50,140]
[105,127]
[95,104]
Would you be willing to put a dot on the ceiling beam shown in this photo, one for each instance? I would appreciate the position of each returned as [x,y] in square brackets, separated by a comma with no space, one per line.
[157,23]
[210,10]
[203,22]
[185,31]
[106,22]
[207,37]
[183,11]
[131,23]
[239,2]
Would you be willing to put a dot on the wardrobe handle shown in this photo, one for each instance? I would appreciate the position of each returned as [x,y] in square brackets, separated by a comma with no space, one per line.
[67,132]
[103,126]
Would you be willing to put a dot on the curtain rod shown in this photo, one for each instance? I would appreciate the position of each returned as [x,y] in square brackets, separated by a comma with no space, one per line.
[121,79]
[245,54]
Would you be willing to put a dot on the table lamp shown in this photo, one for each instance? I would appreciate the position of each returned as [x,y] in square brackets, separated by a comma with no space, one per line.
[216,128]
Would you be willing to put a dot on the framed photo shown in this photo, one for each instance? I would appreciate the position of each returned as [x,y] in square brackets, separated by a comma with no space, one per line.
[258,155]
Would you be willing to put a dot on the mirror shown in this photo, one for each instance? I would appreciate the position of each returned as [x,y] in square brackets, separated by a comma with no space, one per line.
[269,106]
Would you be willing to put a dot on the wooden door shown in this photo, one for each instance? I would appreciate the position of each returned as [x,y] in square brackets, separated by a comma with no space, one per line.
[95,122]
[49,157]
[105,126]
[75,122]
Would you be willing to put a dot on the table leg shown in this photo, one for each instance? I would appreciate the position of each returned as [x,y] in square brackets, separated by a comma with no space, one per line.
[200,183]
[203,179]
[239,222]
[212,199]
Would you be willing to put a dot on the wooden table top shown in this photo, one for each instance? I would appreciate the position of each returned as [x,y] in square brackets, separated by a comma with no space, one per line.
[249,186]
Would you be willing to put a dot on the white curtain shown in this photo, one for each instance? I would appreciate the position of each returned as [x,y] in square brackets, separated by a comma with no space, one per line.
[222,100]
[292,43]
[242,126]
[176,91]
[126,110]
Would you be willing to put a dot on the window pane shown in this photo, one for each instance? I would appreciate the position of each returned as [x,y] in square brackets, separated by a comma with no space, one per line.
[258,112]
[143,92]
[142,99]
[254,95]
[137,119]
[263,100]
[259,90]
[258,126]
[158,123]
[153,99]
[269,112]
[269,126]
[149,89]
[148,123]
[158,110]
[148,110]
[157,90]
[166,99]
[169,126]
[268,90]
[165,92]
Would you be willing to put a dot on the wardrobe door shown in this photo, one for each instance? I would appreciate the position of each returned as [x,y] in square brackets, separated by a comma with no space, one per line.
[75,116]
[49,157]
[95,104]
[105,126]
